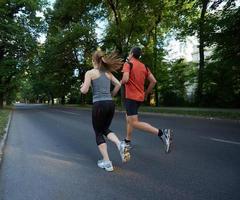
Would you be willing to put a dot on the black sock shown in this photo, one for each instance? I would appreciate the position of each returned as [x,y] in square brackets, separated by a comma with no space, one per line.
[127,141]
[160,133]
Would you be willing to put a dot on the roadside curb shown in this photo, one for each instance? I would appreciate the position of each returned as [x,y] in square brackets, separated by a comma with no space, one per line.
[4,139]
[189,116]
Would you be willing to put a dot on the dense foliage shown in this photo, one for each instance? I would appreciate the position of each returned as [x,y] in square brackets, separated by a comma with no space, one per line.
[34,72]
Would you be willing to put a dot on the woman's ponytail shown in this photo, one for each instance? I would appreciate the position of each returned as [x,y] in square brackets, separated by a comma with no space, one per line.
[111,62]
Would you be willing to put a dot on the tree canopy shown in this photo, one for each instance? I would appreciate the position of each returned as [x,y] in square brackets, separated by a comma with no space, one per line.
[41,72]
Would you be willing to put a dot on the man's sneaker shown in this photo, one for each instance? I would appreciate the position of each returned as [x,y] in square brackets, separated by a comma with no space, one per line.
[128,145]
[105,164]
[167,139]
[124,151]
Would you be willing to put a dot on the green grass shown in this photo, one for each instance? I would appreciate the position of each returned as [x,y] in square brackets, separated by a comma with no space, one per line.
[199,112]
[4,113]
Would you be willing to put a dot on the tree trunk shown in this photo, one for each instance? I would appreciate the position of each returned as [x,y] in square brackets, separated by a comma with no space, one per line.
[155,64]
[8,101]
[1,100]
[201,52]
[52,100]
[119,37]
[63,100]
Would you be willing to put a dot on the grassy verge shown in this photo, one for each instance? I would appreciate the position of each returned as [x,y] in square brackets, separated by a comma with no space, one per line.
[4,113]
[199,112]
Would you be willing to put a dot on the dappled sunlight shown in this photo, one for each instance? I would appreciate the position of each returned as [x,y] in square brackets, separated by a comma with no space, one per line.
[60,159]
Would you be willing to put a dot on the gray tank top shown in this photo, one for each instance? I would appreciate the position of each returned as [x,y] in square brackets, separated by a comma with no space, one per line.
[101,88]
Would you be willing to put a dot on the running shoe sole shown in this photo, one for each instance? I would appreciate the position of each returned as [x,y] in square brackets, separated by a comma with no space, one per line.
[127,155]
[109,169]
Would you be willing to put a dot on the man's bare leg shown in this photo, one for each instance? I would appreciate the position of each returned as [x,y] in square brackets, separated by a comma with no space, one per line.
[143,126]
[129,130]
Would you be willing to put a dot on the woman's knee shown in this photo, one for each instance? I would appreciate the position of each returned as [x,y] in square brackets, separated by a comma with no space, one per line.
[100,139]
[106,132]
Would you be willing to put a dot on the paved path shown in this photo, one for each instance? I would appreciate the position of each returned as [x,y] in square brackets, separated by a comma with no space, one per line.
[51,155]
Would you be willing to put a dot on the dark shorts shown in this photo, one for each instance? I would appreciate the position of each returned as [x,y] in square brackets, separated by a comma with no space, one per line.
[132,106]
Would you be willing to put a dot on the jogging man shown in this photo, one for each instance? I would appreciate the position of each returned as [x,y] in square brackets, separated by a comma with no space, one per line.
[134,75]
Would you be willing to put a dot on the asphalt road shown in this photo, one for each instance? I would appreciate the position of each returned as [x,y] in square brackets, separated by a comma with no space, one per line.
[51,155]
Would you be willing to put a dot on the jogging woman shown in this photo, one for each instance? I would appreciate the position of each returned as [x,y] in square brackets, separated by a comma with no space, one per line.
[101,78]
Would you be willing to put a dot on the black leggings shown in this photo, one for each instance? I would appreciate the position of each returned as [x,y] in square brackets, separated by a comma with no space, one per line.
[102,114]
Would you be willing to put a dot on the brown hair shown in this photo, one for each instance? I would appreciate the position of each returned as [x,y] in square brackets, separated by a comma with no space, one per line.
[111,62]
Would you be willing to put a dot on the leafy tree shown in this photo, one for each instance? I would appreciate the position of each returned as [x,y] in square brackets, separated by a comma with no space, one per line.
[142,23]
[201,17]
[70,41]
[175,79]
[18,34]
[222,85]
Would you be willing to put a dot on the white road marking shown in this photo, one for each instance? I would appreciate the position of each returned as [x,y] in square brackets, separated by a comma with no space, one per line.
[214,139]
[225,141]
[68,112]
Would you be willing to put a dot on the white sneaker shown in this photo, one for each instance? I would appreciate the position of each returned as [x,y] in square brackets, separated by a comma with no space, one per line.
[167,139]
[124,151]
[105,164]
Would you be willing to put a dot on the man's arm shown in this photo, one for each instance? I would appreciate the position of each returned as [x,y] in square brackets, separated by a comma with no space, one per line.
[152,83]
[126,72]
[117,85]
[125,77]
